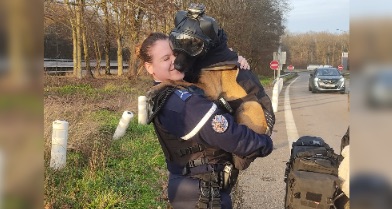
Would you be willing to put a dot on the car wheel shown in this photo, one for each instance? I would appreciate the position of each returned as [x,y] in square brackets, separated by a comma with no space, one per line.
[343,92]
[314,90]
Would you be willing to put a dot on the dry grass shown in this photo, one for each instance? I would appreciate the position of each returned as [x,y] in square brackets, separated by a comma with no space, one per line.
[101,172]
[108,93]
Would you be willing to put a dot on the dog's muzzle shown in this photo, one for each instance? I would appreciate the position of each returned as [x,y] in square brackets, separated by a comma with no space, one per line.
[183,61]
[193,46]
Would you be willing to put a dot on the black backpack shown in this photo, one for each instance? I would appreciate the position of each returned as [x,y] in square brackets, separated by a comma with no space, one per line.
[312,175]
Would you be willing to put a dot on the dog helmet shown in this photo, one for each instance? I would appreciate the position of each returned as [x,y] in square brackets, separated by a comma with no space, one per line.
[194,31]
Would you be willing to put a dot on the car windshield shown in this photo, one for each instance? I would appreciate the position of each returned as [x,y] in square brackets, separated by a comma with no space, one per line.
[328,72]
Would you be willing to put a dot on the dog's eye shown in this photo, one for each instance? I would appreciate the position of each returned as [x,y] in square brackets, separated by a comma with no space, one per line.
[175,53]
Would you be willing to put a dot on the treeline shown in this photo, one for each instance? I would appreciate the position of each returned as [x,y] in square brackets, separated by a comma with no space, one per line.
[315,48]
[113,29]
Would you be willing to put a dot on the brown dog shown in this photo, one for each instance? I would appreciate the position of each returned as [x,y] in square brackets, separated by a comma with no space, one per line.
[222,82]
[201,50]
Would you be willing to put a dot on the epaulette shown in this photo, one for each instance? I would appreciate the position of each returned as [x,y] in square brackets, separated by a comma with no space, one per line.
[183,94]
[157,100]
[158,95]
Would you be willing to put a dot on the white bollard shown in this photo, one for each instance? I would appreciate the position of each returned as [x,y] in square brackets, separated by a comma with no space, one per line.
[275,93]
[123,125]
[58,153]
[280,84]
[142,110]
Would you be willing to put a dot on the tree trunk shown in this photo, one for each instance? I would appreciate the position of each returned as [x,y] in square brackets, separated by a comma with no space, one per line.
[132,67]
[107,37]
[119,21]
[74,38]
[78,41]
[89,73]
[107,58]
[98,57]
[75,49]
[119,56]
[133,62]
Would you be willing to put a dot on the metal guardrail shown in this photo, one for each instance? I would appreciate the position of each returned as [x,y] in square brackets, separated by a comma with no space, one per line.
[62,66]
[287,74]
[58,60]
[67,63]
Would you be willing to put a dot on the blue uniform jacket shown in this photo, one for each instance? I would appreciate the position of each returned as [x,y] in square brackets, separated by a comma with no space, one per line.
[191,116]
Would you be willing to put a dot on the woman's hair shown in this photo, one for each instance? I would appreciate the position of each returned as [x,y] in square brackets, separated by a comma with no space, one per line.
[144,54]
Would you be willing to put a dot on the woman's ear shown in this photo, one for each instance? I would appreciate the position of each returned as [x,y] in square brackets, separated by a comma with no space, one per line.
[149,67]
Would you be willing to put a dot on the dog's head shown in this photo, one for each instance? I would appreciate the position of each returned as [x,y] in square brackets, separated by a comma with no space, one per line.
[194,34]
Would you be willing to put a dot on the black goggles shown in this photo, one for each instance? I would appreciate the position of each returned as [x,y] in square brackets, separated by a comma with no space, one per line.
[193,46]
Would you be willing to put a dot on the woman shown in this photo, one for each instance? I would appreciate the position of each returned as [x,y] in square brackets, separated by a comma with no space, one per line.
[196,136]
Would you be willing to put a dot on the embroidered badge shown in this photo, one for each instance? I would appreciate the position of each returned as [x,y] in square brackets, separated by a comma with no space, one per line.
[184,95]
[219,123]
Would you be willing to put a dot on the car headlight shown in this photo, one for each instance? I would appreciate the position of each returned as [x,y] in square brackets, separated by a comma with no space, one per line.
[315,81]
[341,80]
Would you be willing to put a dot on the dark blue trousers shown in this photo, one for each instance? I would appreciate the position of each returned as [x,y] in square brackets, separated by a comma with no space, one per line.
[184,193]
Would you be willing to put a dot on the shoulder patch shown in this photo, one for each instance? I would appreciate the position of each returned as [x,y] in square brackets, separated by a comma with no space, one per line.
[183,94]
[219,123]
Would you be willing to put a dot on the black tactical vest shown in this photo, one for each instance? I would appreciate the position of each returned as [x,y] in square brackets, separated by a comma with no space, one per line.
[176,149]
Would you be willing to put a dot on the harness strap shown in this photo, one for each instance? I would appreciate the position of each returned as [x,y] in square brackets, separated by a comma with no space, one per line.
[227,65]
[196,163]
[190,150]
[221,102]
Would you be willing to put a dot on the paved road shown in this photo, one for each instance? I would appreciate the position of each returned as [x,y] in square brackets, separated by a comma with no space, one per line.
[299,113]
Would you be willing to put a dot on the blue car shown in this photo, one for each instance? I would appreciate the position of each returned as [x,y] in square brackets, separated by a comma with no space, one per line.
[327,79]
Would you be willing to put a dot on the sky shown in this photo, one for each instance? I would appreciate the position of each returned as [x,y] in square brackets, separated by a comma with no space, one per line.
[374,8]
[330,15]
[318,16]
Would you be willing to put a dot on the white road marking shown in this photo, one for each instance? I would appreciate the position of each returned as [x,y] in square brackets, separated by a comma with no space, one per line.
[291,128]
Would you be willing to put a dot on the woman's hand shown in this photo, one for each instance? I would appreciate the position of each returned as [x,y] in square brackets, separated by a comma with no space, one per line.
[243,63]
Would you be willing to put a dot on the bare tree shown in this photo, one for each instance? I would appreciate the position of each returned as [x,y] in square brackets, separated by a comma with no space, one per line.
[86,51]
[254,27]
[104,5]
[78,25]
[120,11]
[136,16]
[72,19]
[315,48]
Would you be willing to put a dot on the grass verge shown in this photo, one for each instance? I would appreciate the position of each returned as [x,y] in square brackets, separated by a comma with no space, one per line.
[102,173]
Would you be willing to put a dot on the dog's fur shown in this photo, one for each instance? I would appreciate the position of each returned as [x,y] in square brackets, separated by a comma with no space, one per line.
[219,80]
[223,82]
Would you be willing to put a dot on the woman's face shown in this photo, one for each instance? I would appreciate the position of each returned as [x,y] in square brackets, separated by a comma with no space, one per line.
[161,66]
